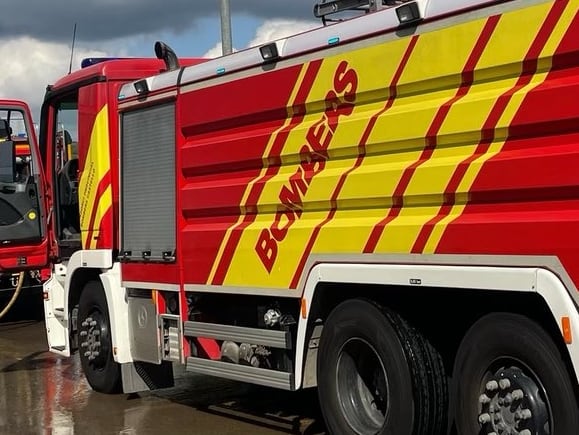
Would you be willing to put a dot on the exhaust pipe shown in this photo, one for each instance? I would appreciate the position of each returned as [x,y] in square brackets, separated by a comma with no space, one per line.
[163,51]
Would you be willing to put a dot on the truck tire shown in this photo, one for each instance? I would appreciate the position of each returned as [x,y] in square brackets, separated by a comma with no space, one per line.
[510,377]
[94,338]
[378,375]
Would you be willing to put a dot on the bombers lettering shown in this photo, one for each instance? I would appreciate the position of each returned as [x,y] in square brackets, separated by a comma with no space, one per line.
[313,156]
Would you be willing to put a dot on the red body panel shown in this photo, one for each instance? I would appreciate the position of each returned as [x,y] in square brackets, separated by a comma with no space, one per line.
[233,142]
[238,153]
[525,200]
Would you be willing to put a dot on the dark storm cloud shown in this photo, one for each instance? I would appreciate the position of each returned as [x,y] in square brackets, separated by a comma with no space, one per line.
[98,20]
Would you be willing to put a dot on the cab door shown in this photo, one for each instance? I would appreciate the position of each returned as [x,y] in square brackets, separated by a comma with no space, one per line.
[23,232]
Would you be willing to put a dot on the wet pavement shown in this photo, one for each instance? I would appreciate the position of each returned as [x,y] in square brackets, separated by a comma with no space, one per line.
[42,393]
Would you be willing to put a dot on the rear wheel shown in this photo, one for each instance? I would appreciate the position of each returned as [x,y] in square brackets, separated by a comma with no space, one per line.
[94,338]
[378,375]
[510,378]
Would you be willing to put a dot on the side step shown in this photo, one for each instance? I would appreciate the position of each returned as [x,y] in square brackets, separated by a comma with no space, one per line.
[238,334]
[236,372]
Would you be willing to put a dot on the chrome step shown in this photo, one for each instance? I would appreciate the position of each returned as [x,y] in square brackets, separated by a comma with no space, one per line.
[236,372]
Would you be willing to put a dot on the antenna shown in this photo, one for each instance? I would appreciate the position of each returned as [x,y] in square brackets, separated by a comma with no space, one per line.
[72,49]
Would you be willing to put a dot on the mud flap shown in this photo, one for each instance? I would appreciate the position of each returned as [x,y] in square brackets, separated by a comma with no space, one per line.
[141,376]
[56,322]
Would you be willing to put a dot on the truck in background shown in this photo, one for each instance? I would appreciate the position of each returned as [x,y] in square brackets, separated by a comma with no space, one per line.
[384,208]
[23,212]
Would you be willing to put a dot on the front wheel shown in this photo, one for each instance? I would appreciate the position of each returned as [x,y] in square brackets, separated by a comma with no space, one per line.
[510,378]
[94,339]
[378,375]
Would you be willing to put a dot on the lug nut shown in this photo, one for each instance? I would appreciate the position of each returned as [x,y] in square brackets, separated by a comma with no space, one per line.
[484,418]
[526,414]
[525,432]
[492,385]
[517,394]
[504,384]
[483,399]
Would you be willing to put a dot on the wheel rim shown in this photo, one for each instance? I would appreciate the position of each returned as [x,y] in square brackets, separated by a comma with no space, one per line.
[362,386]
[94,335]
[513,401]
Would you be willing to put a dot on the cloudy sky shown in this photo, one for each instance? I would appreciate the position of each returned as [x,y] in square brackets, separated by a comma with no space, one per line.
[36,35]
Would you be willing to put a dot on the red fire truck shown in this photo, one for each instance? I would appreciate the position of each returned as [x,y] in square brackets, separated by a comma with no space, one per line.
[23,243]
[385,208]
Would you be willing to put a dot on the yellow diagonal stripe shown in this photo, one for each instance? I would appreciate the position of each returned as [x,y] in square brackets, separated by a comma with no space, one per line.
[96,166]
[251,185]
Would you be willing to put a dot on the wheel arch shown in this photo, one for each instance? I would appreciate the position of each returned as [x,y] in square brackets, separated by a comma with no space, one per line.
[537,293]
[98,265]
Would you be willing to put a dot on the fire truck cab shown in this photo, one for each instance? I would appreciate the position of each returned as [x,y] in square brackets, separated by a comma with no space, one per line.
[79,147]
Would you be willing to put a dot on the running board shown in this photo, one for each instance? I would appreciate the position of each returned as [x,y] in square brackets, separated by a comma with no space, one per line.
[236,372]
[238,334]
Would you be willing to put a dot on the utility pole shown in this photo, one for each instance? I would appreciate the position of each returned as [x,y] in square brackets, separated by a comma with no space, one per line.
[226,41]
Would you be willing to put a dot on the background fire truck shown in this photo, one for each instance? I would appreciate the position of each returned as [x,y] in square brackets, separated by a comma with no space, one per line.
[23,249]
[385,207]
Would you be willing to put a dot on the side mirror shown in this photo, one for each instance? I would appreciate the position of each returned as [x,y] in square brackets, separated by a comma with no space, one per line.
[7,162]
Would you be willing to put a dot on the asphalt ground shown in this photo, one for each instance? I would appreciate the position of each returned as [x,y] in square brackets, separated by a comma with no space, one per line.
[42,393]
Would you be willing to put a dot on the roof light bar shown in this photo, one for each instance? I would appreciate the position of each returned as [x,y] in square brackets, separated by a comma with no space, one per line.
[89,61]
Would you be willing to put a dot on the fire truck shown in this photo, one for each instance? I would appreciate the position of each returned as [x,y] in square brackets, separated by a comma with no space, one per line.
[23,243]
[385,208]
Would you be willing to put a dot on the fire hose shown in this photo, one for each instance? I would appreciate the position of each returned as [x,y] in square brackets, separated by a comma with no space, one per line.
[14,296]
